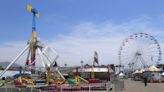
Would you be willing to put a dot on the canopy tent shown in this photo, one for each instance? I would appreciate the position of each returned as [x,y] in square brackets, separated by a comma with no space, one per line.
[121,74]
[135,72]
[142,70]
[152,69]
[162,74]
[139,71]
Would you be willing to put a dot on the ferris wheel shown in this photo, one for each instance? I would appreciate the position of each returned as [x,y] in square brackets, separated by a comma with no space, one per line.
[139,50]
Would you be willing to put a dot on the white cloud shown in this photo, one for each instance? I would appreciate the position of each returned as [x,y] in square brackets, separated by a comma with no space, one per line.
[86,37]
[9,50]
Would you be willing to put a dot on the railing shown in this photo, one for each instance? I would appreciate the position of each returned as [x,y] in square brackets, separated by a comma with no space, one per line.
[95,87]
[84,87]
[19,90]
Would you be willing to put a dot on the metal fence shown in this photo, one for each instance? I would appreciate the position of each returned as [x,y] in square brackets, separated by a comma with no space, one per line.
[117,86]
[19,90]
[84,87]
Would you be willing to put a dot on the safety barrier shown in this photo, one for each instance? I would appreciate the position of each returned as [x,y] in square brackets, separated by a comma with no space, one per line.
[19,90]
[95,87]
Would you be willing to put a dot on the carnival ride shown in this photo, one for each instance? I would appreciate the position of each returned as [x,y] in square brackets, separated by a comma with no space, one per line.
[78,79]
[49,75]
[139,50]
[35,50]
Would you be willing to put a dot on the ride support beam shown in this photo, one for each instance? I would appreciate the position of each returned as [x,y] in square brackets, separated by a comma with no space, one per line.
[19,55]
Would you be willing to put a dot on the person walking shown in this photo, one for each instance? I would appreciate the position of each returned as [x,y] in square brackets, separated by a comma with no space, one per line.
[145,78]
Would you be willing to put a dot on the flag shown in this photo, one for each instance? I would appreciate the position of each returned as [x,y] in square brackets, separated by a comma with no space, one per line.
[96,58]
[55,65]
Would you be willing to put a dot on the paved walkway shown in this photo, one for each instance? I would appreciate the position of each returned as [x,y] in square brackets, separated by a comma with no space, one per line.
[138,86]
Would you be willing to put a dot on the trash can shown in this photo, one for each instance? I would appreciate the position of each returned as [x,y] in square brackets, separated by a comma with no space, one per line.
[121,82]
[119,85]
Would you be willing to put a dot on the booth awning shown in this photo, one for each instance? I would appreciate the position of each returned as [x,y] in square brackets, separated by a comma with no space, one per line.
[154,69]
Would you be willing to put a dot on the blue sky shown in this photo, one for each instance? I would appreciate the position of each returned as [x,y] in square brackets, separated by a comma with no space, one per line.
[56,16]
[73,23]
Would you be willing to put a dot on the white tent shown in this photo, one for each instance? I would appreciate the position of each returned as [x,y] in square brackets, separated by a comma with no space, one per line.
[136,72]
[141,71]
[121,75]
[162,74]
